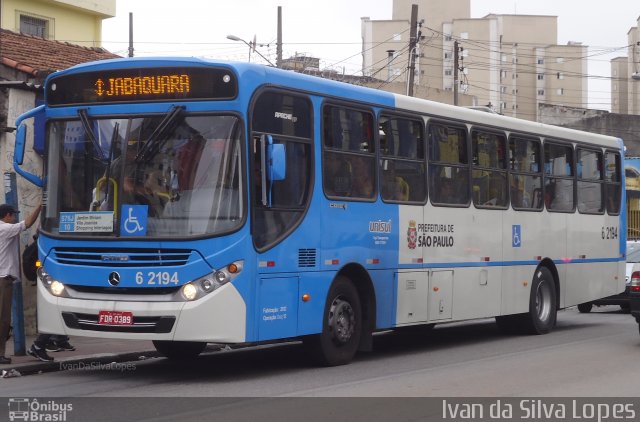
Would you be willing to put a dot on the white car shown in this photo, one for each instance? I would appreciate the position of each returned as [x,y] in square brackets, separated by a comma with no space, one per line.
[622,299]
[633,259]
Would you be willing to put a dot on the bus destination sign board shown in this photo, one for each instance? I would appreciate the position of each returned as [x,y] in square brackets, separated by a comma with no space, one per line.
[142,84]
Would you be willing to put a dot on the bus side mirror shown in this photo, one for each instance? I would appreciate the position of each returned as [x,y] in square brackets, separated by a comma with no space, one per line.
[273,166]
[21,140]
[277,162]
[20,145]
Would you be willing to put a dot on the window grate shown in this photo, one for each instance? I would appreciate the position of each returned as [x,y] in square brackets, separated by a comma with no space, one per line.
[31,25]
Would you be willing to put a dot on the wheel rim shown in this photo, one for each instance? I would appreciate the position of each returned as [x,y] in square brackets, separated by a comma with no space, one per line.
[543,301]
[342,321]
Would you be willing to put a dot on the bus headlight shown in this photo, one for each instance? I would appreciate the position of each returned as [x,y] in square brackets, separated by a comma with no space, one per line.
[222,277]
[189,291]
[208,284]
[54,286]
[211,282]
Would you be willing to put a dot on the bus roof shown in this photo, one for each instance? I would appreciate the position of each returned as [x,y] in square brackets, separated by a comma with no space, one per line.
[257,75]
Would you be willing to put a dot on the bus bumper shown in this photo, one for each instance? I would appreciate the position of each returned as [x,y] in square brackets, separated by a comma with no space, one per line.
[217,317]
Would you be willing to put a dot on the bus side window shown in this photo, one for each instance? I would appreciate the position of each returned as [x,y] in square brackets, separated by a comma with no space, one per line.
[559,180]
[525,178]
[449,166]
[489,177]
[612,182]
[348,153]
[590,181]
[402,167]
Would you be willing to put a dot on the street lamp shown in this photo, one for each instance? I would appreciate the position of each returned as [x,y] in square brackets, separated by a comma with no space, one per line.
[251,47]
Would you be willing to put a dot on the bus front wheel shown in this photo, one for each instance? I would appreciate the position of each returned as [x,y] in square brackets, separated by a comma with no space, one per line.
[338,342]
[179,350]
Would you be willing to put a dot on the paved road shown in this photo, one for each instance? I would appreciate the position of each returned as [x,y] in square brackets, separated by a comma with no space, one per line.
[588,355]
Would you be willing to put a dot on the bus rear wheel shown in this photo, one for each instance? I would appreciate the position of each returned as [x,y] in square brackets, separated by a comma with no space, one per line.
[179,350]
[543,310]
[338,342]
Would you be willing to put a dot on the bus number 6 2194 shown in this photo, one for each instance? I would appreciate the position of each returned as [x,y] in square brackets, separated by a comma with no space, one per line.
[157,278]
[610,232]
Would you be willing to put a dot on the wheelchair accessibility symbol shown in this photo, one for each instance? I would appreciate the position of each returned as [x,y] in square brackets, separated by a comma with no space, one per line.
[134,220]
[516,238]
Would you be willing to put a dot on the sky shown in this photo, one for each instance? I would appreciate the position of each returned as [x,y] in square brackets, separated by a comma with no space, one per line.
[330,29]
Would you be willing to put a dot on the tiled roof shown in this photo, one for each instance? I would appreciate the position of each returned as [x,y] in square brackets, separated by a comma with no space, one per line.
[33,55]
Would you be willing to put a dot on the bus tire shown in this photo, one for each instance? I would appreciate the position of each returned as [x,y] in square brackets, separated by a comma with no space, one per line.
[338,342]
[585,308]
[179,350]
[542,314]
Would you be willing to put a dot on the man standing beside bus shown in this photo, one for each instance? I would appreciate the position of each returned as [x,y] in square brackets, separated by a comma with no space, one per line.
[10,265]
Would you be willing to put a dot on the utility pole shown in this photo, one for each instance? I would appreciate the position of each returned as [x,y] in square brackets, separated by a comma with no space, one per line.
[130,34]
[279,42]
[456,68]
[413,41]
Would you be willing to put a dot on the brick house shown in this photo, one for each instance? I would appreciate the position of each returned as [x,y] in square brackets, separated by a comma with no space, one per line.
[25,61]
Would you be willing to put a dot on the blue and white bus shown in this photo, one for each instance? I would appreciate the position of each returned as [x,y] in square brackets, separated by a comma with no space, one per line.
[191,201]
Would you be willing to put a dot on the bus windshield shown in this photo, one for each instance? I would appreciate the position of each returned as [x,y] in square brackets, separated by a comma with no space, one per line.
[168,175]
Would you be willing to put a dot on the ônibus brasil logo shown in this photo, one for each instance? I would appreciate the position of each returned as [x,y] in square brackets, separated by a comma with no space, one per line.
[32,410]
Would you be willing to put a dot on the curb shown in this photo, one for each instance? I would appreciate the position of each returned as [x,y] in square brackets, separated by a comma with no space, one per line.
[81,362]
[101,361]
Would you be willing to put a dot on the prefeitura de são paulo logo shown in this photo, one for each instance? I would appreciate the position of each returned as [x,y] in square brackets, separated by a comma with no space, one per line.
[412,235]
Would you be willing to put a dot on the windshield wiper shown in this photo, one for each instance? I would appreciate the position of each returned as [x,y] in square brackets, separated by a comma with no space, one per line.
[84,119]
[153,144]
[114,137]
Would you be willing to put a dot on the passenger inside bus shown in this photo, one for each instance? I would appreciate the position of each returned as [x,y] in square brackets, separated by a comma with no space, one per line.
[537,198]
[549,194]
[520,198]
[446,194]
[361,180]
[401,189]
[337,176]
[394,187]
[152,192]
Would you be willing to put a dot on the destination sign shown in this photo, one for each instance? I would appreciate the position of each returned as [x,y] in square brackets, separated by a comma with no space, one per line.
[142,84]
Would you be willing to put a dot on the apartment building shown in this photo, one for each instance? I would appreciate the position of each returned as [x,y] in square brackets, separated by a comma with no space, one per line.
[620,85]
[510,62]
[625,76]
[75,21]
[386,42]
[633,69]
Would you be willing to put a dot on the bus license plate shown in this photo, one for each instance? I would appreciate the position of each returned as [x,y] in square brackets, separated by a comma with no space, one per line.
[115,318]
